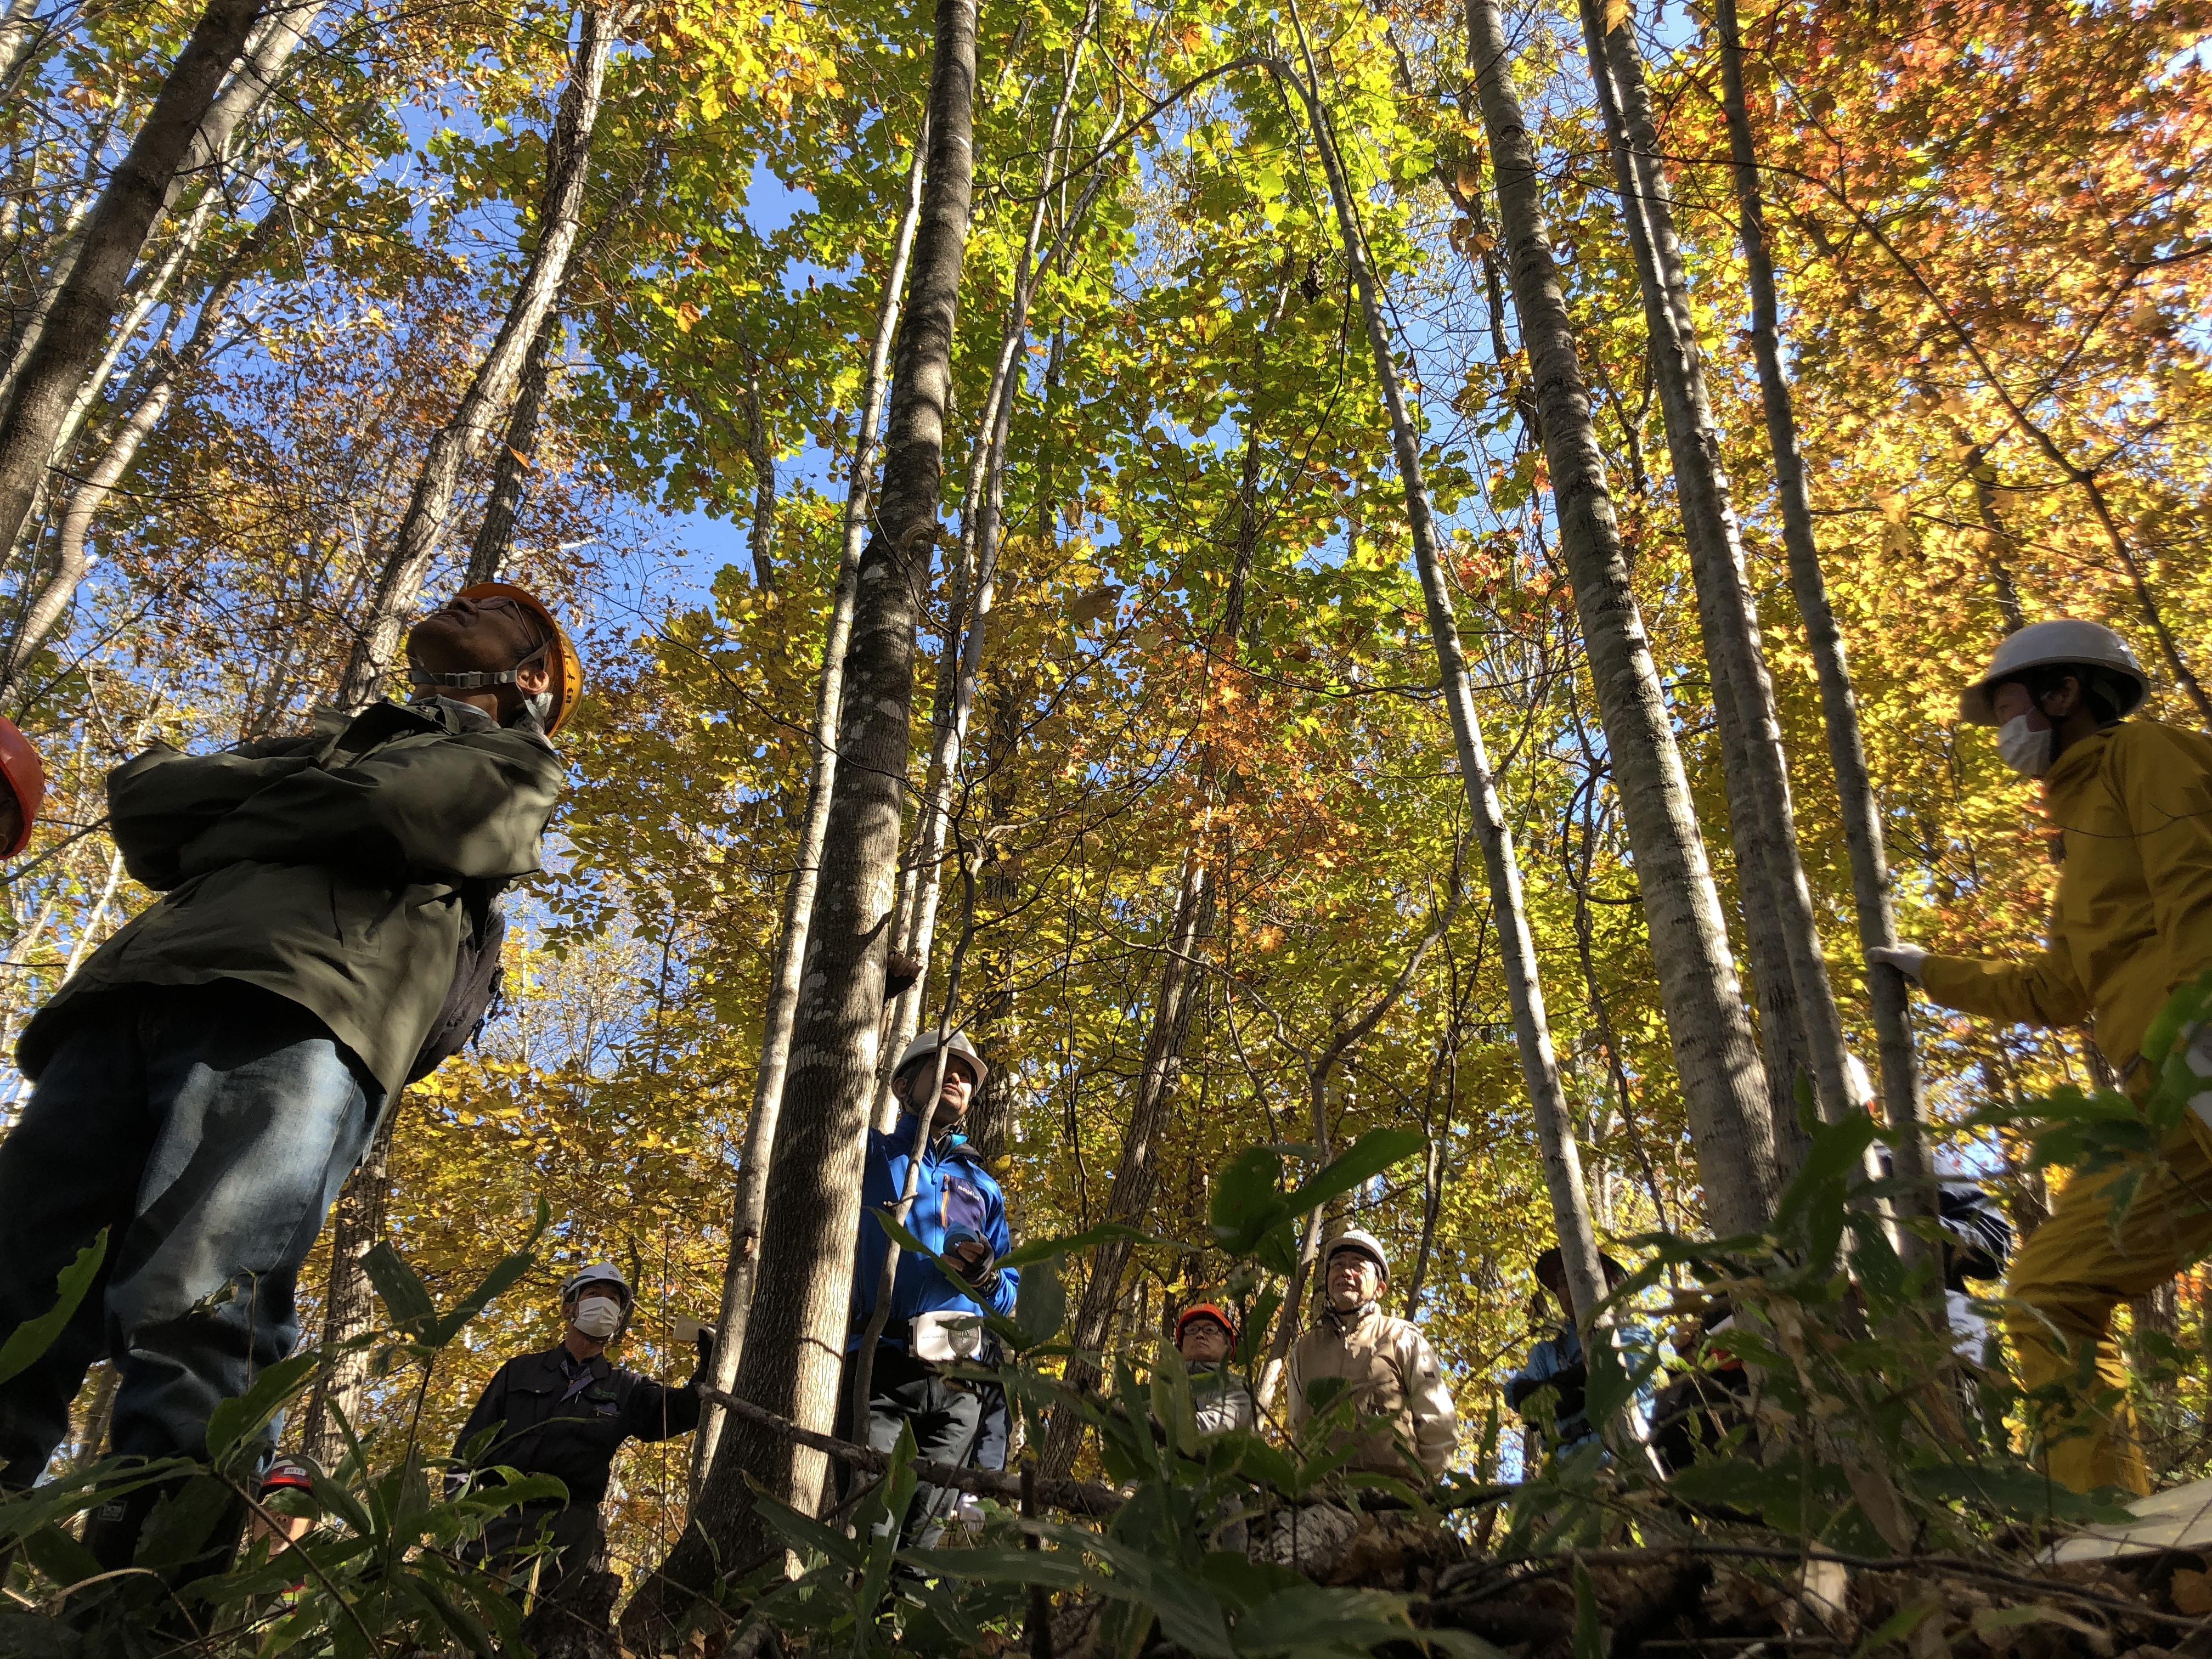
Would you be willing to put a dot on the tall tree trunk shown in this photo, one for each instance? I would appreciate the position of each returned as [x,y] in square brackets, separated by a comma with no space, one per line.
[510,474]
[1716,1056]
[1903,1099]
[758,1152]
[982,513]
[1136,1174]
[71,563]
[796,1329]
[349,1301]
[760,539]
[398,585]
[83,311]
[1524,992]
[1726,615]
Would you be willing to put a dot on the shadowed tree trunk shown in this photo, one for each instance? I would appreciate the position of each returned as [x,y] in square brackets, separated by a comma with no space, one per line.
[1905,1104]
[795,1335]
[414,544]
[1716,1056]
[759,1150]
[349,1302]
[140,190]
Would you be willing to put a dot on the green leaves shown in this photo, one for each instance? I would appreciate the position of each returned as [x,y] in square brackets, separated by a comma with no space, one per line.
[407,1300]
[1251,1216]
[35,1336]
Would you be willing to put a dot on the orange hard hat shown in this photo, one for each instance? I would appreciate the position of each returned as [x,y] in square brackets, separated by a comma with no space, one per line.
[566,667]
[1213,1311]
[26,781]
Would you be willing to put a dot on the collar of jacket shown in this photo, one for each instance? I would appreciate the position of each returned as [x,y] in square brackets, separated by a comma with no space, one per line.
[2078,765]
[952,1144]
[558,1359]
[1346,1324]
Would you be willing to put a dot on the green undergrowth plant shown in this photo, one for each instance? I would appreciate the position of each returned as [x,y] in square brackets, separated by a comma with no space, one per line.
[1854,1426]
[1166,1561]
[381,1569]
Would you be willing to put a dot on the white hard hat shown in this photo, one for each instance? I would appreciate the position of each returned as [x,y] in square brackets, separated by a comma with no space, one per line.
[1359,1239]
[925,1046]
[2051,644]
[600,1273]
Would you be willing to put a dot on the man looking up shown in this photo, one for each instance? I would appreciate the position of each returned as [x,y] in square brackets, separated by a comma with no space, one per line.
[2132,920]
[1401,1399]
[208,1077]
[960,1214]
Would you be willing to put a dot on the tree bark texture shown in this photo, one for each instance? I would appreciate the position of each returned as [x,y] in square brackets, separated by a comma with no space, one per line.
[973,588]
[349,1301]
[1524,992]
[83,310]
[1904,1101]
[407,566]
[1716,1055]
[1136,1174]
[796,1329]
[493,547]
[759,1148]
[1726,615]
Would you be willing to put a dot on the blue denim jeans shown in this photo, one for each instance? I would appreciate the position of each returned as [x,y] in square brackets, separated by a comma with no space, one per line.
[209,1129]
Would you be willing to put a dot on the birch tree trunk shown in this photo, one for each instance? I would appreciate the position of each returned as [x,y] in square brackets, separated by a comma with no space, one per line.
[1904,1101]
[1726,612]
[1716,1056]
[1524,991]
[83,310]
[796,1329]
[349,1301]
[398,585]
[759,1149]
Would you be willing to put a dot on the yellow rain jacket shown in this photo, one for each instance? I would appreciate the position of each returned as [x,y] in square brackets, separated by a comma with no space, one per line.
[2134,914]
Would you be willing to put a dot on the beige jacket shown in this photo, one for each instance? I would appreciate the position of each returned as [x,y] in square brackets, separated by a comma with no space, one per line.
[1399,1387]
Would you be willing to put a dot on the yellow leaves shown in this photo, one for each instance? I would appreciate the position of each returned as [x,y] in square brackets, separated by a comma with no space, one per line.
[1893,506]
[687,316]
[2146,319]
[1616,14]
[1470,239]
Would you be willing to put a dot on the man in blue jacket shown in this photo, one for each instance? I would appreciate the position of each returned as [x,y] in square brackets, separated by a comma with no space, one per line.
[932,1325]
[1558,1363]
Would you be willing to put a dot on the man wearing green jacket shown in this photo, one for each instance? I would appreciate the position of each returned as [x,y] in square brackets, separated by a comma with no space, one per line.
[210,1076]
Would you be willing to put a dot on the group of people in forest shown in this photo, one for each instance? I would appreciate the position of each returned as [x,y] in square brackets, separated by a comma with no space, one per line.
[330,930]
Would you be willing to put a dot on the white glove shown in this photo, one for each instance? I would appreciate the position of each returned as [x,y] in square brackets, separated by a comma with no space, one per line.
[1905,958]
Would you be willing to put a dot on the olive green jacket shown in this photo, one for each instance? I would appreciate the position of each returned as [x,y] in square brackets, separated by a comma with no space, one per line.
[327,868]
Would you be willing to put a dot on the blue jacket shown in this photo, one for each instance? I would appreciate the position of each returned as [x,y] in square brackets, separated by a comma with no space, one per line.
[956,1191]
[1559,1363]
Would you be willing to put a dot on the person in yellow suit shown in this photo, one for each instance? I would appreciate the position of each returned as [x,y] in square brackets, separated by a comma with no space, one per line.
[2132,920]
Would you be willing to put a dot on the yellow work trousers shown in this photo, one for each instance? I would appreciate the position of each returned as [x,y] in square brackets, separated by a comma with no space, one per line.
[2064,1286]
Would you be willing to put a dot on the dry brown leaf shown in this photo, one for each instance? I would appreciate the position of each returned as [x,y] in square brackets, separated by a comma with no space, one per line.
[2192,1591]
[1616,14]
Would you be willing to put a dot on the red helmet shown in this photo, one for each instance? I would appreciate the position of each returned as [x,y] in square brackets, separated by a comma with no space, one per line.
[295,1474]
[26,781]
[1213,1311]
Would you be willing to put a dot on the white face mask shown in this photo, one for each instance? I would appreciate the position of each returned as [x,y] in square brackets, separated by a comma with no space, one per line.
[2024,749]
[597,1317]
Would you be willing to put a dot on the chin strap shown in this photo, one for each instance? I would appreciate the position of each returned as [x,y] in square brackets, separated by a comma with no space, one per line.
[478,681]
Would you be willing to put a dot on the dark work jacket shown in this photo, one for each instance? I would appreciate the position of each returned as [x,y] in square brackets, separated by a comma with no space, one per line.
[549,1425]
[328,869]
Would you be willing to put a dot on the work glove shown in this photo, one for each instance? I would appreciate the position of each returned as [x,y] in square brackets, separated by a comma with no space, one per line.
[706,1344]
[1905,958]
[981,1275]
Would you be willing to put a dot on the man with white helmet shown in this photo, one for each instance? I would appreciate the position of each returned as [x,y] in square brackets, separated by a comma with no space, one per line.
[2132,920]
[1409,1426]
[932,1325]
[565,1413]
